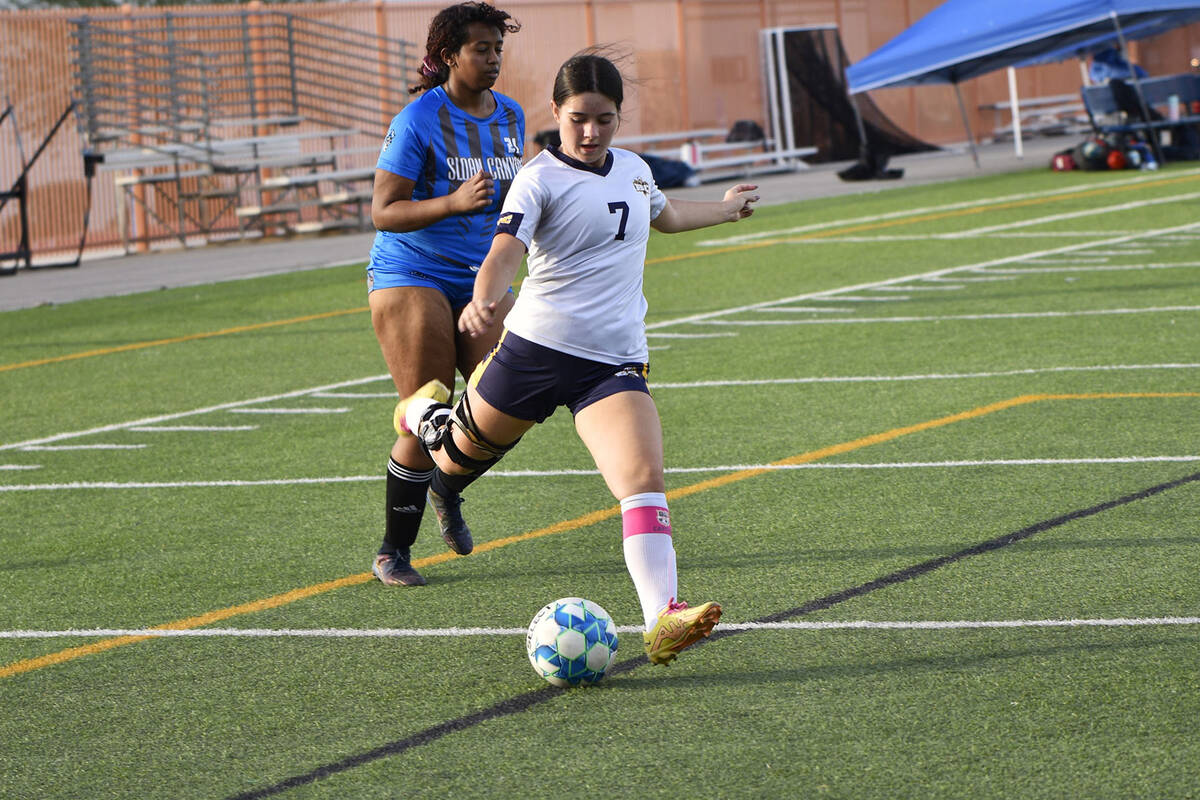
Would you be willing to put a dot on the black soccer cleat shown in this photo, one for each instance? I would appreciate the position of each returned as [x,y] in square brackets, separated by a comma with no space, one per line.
[395,569]
[450,519]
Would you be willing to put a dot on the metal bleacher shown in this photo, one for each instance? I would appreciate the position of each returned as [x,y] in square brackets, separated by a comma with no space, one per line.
[1107,115]
[246,122]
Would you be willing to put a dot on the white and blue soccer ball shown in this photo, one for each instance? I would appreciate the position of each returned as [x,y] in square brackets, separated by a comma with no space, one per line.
[571,642]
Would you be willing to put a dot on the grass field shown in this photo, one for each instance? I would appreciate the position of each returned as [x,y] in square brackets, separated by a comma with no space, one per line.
[935,449]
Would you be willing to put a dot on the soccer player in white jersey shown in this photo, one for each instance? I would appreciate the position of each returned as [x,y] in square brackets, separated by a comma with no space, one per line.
[576,335]
[445,166]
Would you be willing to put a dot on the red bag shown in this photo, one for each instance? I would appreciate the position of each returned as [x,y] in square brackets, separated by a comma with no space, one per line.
[1062,162]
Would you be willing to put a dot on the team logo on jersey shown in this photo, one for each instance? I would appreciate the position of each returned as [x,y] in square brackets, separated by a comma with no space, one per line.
[387,140]
[641,185]
[462,168]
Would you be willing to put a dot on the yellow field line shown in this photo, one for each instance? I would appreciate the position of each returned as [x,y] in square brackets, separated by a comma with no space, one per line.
[191,337]
[661,259]
[72,653]
[591,518]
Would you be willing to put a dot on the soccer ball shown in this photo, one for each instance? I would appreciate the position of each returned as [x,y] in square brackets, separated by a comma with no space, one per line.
[571,642]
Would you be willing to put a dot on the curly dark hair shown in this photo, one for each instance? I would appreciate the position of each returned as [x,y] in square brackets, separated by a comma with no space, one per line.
[448,32]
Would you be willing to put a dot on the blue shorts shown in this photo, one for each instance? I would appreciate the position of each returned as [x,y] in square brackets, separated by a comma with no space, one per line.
[457,290]
[405,266]
[528,381]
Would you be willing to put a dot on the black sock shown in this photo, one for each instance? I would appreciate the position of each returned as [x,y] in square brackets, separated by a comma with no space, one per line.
[405,505]
[444,484]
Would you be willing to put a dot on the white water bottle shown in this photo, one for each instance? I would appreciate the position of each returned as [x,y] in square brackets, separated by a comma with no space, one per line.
[1173,108]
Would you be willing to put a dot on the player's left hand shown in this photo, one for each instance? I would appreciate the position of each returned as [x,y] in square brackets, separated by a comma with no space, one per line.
[741,198]
[477,317]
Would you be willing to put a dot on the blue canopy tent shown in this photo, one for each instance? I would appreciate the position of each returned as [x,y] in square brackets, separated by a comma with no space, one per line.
[963,39]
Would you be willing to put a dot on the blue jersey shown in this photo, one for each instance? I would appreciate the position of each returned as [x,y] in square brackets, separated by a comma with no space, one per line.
[439,146]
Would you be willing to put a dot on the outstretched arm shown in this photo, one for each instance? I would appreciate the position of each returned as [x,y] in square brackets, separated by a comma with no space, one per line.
[491,284]
[687,215]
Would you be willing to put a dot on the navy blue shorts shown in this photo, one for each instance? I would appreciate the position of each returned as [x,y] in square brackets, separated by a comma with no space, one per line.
[528,381]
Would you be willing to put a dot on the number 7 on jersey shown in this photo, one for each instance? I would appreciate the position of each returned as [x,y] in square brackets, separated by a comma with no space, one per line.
[623,207]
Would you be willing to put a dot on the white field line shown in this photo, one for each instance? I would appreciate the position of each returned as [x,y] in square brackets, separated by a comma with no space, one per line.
[749,237]
[564,473]
[1126,251]
[288,410]
[194,412]
[957,317]
[1066,267]
[447,633]
[884,238]
[859,298]
[981,266]
[155,420]
[1087,212]
[976,279]
[1058,234]
[191,428]
[147,422]
[933,237]
[796,309]
[38,448]
[826,465]
[690,335]
[1074,260]
[16,467]
[943,287]
[926,376]
[357,395]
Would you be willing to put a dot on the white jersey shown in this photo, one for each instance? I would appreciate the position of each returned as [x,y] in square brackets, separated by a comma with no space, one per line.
[586,230]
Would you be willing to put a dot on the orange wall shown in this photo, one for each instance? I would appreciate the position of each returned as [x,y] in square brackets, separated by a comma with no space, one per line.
[693,64]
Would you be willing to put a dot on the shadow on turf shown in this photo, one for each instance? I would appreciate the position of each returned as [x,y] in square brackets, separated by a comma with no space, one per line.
[940,663]
[524,702]
[829,555]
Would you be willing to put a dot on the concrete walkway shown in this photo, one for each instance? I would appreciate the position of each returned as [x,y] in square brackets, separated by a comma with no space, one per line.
[118,275]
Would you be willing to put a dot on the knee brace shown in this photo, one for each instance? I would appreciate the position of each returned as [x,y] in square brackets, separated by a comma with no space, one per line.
[439,435]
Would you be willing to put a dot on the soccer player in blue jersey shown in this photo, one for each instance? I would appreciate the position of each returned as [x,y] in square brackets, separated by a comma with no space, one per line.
[576,335]
[444,169]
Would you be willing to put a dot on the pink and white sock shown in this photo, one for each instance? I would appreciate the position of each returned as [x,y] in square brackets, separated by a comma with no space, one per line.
[649,551]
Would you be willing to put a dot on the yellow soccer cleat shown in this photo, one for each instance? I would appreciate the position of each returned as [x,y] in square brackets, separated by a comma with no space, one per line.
[433,390]
[678,627]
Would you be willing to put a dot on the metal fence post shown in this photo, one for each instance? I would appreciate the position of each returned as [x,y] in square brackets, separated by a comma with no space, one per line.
[291,50]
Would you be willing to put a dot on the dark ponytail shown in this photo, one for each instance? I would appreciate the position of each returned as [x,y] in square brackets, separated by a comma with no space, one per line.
[589,72]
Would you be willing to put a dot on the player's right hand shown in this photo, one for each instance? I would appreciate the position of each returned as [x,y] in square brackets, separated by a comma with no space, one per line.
[475,193]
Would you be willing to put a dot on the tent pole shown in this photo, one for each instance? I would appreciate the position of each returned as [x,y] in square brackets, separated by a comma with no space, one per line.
[775,75]
[862,131]
[966,124]
[1015,102]
[1137,85]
